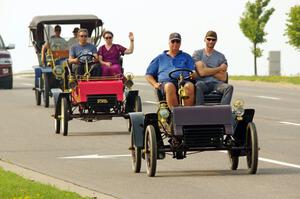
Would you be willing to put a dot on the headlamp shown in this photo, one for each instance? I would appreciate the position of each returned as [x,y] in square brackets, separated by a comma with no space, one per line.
[238,108]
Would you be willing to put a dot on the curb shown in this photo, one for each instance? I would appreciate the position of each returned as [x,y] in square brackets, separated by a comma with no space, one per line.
[58,183]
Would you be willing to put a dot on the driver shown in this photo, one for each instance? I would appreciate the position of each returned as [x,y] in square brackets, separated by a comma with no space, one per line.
[84,48]
[157,73]
[56,42]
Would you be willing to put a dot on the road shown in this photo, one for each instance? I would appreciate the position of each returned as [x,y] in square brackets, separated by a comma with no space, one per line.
[95,155]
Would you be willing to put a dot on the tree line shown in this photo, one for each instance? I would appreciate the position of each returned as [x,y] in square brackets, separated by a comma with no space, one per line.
[254,20]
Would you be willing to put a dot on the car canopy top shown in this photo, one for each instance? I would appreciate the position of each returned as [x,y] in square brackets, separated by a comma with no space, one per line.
[89,22]
[84,20]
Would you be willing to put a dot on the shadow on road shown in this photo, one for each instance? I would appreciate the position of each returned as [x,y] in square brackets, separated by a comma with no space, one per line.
[239,172]
[98,133]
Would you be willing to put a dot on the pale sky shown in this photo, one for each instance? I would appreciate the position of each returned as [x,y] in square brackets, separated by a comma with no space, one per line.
[152,22]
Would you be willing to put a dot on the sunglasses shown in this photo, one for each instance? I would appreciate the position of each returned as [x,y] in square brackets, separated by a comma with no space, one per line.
[175,41]
[210,39]
[108,37]
[85,36]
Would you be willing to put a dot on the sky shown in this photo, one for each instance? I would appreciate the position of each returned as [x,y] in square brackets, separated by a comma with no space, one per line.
[152,22]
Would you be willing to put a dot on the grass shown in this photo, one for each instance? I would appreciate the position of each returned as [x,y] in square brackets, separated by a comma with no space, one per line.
[13,186]
[274,79]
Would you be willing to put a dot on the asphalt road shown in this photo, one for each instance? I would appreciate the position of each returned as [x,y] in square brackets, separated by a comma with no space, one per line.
[95,155]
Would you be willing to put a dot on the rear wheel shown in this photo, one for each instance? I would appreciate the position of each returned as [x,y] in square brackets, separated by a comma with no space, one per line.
[137,104]
[136,154]
[251,148]
[46,90]
[150,150]
[64,116]
[233,160]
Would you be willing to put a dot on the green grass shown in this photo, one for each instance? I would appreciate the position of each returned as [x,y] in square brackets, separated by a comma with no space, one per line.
[13,186]
[275,79]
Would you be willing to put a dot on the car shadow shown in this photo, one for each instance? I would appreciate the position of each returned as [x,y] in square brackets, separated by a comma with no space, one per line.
[98,133]
[239,172]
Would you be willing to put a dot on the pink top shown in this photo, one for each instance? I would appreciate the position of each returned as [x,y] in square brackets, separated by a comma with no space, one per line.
[113,54]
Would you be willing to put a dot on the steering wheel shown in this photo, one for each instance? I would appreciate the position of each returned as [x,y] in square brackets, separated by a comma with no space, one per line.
[182,70]
[86,57]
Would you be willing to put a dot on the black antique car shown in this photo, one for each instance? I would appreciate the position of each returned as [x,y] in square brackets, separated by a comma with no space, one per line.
[187,130]
[49,73]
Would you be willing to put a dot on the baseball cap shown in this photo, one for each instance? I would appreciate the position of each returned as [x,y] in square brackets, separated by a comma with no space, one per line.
[211,34]
[75,30]
[57,28]
[174,36]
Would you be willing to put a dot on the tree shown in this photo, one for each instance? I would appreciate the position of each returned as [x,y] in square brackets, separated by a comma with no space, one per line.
[253,23]
[293,27]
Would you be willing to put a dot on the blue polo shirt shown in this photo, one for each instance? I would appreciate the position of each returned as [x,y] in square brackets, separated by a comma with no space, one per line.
[163,64]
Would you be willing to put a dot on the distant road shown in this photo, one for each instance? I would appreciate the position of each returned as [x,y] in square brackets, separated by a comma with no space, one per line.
[95,155]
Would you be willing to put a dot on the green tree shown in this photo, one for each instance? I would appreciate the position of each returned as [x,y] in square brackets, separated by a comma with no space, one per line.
[253,23]
[293,27]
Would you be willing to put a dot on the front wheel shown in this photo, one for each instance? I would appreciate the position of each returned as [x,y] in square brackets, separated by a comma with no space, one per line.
[57,125]
[136,154]
[251,148]
[137,104]
[150,150]
[64,117]
[38,97]
[233,160]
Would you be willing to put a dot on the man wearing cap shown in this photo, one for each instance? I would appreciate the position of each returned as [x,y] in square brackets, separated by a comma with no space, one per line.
[211,67]
[73,40]
[56,42]
[157,73]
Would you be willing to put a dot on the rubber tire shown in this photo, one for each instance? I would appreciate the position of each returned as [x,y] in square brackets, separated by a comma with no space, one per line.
[137,104]
[150,150]
[38,97]
[233,161]
[57,125]
[136,155]
[46,90]
[8,84]
[64,116]
[251,148]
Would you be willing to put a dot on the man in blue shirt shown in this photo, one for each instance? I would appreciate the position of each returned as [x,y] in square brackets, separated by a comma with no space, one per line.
[157,73]
[211,66]
[84,48]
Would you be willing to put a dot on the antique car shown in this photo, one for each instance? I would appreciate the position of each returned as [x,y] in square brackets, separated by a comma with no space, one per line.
[91,98]
[191,129]
[6,74]
[50,73]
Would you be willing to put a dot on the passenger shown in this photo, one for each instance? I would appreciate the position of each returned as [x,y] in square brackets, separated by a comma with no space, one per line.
[109,54]
[56,42]
[157,73]
[73,40]
[83,48]
[211,66]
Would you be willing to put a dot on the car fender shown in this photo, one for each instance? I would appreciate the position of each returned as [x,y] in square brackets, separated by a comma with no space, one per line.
[137,127]
[130,99]
[55,93]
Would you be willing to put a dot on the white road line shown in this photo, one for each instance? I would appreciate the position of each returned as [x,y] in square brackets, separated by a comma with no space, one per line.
[95,156]
[267,97]
[27,84]
[280,163]
[289,123]
[150,102]
[142,84]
